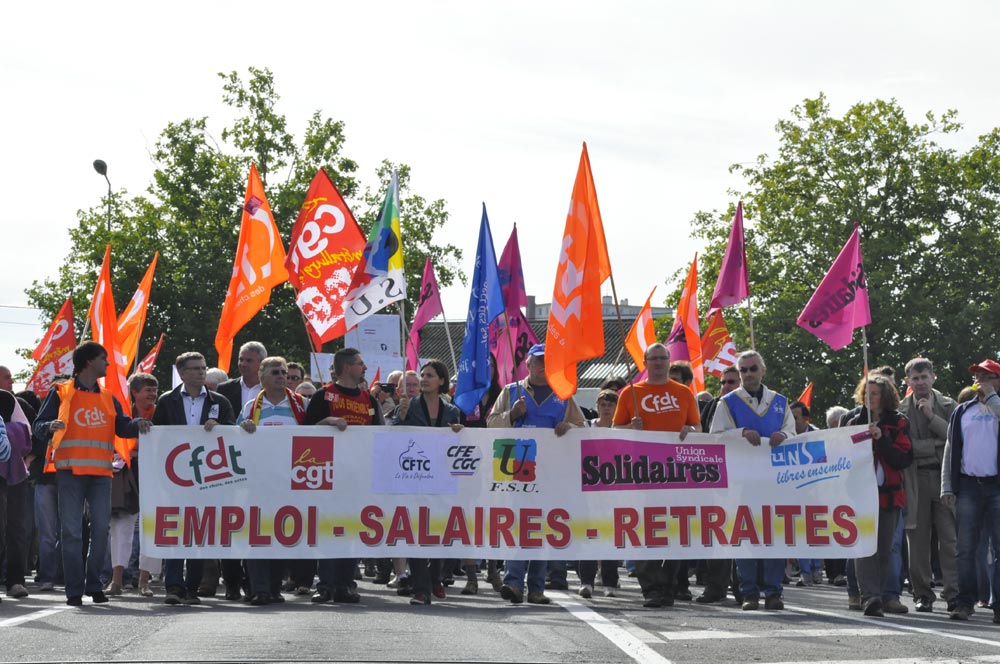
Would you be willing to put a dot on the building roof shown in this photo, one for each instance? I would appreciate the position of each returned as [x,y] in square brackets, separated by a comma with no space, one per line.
[591,373]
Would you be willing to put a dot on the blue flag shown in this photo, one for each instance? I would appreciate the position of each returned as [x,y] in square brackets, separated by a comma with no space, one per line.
[485,304]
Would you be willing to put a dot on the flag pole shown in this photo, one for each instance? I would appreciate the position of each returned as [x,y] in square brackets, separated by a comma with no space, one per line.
[451,346]
[406,331]
[628,356]
[753,345]
[864,353]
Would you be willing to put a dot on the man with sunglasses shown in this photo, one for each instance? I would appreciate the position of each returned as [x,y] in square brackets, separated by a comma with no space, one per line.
[758,413]
[970,482]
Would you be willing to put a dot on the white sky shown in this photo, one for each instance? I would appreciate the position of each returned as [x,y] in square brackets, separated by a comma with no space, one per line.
[485,101]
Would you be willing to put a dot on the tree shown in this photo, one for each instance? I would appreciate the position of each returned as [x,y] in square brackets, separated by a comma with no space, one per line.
[930,232]
[191,214]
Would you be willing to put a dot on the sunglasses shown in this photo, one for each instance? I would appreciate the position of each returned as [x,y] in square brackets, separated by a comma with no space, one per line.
[749,369]
[731,382]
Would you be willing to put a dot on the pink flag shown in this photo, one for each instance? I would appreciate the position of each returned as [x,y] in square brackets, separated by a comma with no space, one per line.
[732,287]
[676,343]
[840,303]
[428,307]
[512,331]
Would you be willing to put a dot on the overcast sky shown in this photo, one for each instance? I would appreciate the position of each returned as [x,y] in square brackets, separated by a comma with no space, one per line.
[485,101]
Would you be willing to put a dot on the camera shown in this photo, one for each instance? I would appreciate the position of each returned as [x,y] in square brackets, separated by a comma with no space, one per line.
[388,388]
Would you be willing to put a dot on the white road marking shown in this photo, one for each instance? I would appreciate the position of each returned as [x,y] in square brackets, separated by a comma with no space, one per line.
[889,624]
[34,615]
[713,634]
[907,660]
[631,645]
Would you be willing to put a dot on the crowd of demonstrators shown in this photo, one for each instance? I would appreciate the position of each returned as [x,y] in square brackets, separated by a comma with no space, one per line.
[69,487]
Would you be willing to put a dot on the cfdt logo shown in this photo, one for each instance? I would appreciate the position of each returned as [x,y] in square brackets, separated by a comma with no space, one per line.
[464,460]
[799,454]
[514,460]
[312,463]
[201,465]
[89,417]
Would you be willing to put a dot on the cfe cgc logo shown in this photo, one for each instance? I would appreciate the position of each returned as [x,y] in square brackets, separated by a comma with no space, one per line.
[218,465]
[312,463]
[464,460]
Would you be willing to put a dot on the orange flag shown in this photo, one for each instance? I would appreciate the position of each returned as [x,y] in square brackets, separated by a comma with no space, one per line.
[687,316]
[717,347]
[642,334]
[807,395]
[133,319]
[583,267]
[55,351]
[104,330]
[259,266]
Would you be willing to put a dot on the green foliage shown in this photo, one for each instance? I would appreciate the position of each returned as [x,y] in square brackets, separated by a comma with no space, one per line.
[192,214]
[929,232]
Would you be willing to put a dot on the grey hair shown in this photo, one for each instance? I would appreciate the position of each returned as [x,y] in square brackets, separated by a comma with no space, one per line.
[752,354]
[256,347]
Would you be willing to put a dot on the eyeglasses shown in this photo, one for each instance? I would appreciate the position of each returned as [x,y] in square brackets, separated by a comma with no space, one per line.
[749,369]
[278,372]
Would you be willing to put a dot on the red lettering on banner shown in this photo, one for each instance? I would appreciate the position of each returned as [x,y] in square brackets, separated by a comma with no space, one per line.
[166,519]
[233,520]
[744,527]
[285,514]
[257,538]
[683,515]
[788,513]
[843,517]
[455,529]
[530,525]
[501,523]
[370,516]
[816,521]
[199,531]
[713,518]
[312,529]
[768,527]
[399,527]
[654,520]
[424,536]
[478,527]
[626,521]
[561,535]
[169,466]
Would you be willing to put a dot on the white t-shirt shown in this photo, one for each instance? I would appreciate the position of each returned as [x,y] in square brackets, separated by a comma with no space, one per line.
[979,438]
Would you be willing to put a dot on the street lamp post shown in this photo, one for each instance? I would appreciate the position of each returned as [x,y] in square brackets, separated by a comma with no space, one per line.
[102,169]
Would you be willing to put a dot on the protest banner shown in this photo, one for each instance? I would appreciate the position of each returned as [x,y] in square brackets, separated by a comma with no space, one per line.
[317,492]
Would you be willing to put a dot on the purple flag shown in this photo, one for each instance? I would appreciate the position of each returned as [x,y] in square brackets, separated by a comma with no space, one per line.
[840,303]
[428,307]
[676,343]
[732,286]
[514,332]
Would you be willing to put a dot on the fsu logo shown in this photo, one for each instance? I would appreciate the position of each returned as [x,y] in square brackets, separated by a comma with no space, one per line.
[514,460]
[312,463]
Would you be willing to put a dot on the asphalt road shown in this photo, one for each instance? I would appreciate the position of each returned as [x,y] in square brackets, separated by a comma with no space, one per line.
[815,627]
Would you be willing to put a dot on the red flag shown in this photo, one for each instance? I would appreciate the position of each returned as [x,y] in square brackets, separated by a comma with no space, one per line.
[147,363]
[717,347]
[512,331]
[840,303]
[55,351]
[807,395]
[428,307]
[642,334]
[259,266]
[104,330]
[732,285]
[687,319]
[583,266]
[133,319]
[324,251]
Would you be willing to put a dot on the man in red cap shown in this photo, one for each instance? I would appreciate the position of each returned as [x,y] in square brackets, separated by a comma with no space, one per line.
[969,482]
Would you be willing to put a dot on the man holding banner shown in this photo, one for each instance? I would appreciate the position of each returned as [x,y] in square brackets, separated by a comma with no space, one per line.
[758,413]
[663,405]
[341,403]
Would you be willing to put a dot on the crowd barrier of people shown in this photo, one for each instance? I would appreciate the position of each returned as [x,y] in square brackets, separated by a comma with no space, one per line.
[70,508]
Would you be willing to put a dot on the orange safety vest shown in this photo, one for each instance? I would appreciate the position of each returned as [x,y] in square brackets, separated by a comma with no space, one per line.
[86,446]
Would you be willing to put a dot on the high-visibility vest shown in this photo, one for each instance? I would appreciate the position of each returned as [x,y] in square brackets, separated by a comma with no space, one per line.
[86,446]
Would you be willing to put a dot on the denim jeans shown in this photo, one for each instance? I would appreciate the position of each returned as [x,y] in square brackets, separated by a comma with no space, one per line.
[336,573]
[47,525]
[875,572]
[984,570]
[893,586]
[974,502]
[774,574]
[74,490]
[173,575]
[536,574]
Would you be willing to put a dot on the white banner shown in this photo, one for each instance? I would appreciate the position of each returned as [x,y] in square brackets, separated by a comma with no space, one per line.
[316,492]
